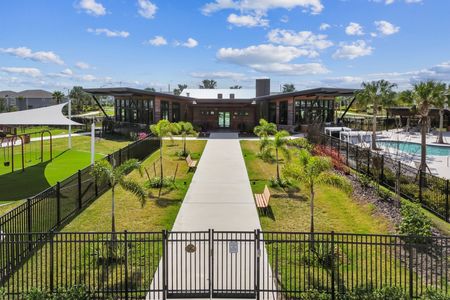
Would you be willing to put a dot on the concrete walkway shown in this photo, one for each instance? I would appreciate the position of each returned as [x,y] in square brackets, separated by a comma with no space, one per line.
[219,198]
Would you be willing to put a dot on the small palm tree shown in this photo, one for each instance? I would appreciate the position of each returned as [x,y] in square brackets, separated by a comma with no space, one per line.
[379,94]
[279,144]
[264,129]
[58,96]
[208,84]
[426,94]
[185,129]
[107,172]
[288,88]
[163,129]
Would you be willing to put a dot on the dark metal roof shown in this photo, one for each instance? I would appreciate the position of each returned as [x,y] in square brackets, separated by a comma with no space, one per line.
[125,91]
[312,92]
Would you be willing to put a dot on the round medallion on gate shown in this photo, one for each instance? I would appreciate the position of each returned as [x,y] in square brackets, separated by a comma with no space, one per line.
[190,248]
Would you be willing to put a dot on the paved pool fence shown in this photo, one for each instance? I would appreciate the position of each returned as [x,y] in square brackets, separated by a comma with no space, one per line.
[51,209]
[430,191]
[204,264]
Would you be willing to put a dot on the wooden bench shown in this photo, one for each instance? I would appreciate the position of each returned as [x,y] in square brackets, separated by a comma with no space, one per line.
[192,164]
[262,200]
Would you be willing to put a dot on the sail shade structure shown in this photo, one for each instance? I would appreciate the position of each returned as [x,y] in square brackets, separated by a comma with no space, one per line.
[50,115]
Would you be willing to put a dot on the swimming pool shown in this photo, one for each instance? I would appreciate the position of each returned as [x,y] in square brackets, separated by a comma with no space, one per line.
[414,148]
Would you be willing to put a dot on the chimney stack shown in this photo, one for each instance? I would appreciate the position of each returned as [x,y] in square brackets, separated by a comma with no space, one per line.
[262,87]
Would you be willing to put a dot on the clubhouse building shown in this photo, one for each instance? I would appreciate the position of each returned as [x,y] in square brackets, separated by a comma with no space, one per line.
[224,109]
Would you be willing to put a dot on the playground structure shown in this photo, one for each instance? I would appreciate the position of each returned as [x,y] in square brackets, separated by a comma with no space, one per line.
[9,142]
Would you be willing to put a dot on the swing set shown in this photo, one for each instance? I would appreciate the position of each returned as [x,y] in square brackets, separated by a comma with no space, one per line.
[8,144]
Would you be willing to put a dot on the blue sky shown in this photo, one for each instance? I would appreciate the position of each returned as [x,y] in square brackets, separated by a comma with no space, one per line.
[56,44]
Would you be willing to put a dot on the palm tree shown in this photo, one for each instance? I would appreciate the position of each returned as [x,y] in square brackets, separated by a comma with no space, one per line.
[279,144]
[405,98]
[150,89]
[162,129]
[264,129]
[236,87]
[288,88]
[58,96]
[311,170]
[442,102]
[81,98]
[380,94]
[107,172]
[208,84]
[426,94]
[180,89]
[185,129]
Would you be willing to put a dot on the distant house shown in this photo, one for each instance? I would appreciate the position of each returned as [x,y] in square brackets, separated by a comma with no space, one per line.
[27,99]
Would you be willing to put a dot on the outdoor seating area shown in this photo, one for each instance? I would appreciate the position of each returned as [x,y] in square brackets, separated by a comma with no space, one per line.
[262,200]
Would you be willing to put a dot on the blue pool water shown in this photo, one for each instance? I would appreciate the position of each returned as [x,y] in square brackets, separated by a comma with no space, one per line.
[414,148]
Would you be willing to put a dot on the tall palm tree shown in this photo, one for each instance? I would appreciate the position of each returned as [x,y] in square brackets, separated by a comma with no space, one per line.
[185,129]
[107,172]
[405,98]
[378,93]
[58,96]
[162,129]
[180,89]
[208,84]
[288,88]
[442,102]
[279,144]
[264,129]
[426,94]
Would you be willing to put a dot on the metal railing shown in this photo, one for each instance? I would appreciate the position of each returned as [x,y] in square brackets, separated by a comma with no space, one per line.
[261,265]
[430,191]
[51,209]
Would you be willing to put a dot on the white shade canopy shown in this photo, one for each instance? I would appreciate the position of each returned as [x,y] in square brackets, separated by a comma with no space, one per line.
[51,115]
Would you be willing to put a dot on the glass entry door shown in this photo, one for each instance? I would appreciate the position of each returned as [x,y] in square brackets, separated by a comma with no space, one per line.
[224,119]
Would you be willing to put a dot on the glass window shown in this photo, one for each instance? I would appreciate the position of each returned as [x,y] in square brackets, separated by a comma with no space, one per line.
[231,96]
[164,110]
[176,112]
[314,111]
[272,112]
[219,96]
[283,109]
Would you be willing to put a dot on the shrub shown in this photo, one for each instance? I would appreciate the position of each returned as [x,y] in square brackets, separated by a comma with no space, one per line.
[410,189]
[76,292]
[364,180]
[301,143]
[315,295]
[155,182]
[283,182]
[2,293]
[431,294]
[414,223]
[385,195]
[336,159]
[36,294]
[182,154]
[367,293]
[338,181]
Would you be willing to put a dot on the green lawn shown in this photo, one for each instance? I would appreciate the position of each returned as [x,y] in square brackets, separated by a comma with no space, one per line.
[39,176]
[160,211]
[334,209]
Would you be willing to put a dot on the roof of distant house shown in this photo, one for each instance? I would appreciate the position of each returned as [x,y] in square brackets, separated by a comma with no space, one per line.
[27,94]
[214,93]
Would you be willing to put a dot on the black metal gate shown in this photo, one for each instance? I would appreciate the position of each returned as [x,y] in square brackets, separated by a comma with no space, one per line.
[211,264]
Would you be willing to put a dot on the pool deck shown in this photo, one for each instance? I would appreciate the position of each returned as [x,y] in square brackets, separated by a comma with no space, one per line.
[439,165]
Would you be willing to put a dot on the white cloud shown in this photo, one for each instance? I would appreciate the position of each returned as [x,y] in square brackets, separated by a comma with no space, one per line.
[271,58]
[248,20]
[82,65]
[67,72]
[147,9]
[190,43]
[386,28]
[354,29]
[315,6]
[324,26]
[389,2]
[27,53]
[284,19]
[353,50]
[219,75]
[109,33]
[343,81]
[33,72]
[305,39]
[89,77]
[92,7]
[157,41]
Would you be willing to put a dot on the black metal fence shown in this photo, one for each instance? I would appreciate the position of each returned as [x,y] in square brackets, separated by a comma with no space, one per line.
[261,265]
[430,191]
[52,208]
